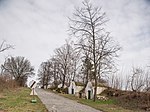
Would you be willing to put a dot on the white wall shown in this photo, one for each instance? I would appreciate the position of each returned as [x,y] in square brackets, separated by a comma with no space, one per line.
[89,87]
[72,86]
[78,88]
[100,90]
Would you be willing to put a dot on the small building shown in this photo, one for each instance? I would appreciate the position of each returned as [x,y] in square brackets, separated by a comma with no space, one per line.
[82,91]
[89,92]
[72,88]
[75,88]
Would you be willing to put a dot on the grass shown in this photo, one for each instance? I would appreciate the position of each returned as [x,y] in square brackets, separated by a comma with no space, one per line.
[105,106]
[19,100]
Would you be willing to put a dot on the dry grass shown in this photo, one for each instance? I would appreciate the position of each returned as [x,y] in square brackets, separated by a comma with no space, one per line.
[105,106]
[19,100]
[6,83]
[137,101]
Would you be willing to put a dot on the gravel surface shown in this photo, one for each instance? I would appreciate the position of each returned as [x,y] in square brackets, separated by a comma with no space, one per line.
[56,103]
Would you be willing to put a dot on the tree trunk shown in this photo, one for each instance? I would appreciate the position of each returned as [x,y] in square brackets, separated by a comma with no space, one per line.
[95,88]
[63,83]
[64,78]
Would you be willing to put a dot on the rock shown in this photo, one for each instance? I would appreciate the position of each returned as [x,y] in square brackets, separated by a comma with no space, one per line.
[103,98]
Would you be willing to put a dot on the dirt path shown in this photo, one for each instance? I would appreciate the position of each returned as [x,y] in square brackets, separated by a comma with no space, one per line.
[61,104]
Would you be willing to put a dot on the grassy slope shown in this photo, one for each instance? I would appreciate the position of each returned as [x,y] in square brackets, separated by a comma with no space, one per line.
[106,106]
[19,100]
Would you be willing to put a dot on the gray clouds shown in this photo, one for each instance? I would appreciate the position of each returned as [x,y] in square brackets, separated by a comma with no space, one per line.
[37,27]
[129,24]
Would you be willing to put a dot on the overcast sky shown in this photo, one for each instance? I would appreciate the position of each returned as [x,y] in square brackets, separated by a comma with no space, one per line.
[37,27]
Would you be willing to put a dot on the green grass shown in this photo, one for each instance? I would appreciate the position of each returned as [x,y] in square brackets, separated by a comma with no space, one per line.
[105,106]
[19,100]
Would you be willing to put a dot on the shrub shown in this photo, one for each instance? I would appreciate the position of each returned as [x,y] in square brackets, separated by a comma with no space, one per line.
[7,83]
[62,90]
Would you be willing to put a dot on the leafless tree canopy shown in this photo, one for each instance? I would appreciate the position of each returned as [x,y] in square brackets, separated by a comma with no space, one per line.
[67,59]
[19,68]
[138,80]
[64,65]
[87,24]
[45,73]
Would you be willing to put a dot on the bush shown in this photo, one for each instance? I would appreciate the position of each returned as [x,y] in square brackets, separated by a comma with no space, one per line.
[62,90]
[65,90]
[2,84]
[53,88]
[7,84]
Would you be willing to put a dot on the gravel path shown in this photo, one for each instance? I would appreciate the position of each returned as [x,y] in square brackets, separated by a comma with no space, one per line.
[56,103]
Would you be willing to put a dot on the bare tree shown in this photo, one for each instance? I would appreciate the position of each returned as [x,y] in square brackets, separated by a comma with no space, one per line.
[147,81]
[127,82]
[116,82]
[63,56]
[42,75]
[19,68]
[75,63]
[56,75]
[45,73]
[87,24]
[4,47]
[137,79]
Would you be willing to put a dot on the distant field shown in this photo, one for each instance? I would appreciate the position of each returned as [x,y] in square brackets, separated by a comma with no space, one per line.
[19,100]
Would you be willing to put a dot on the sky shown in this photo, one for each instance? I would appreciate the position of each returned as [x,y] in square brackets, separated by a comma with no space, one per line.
[37,27]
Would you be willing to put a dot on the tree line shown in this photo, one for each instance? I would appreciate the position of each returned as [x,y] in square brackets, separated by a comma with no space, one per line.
[138,80]
[90,58]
